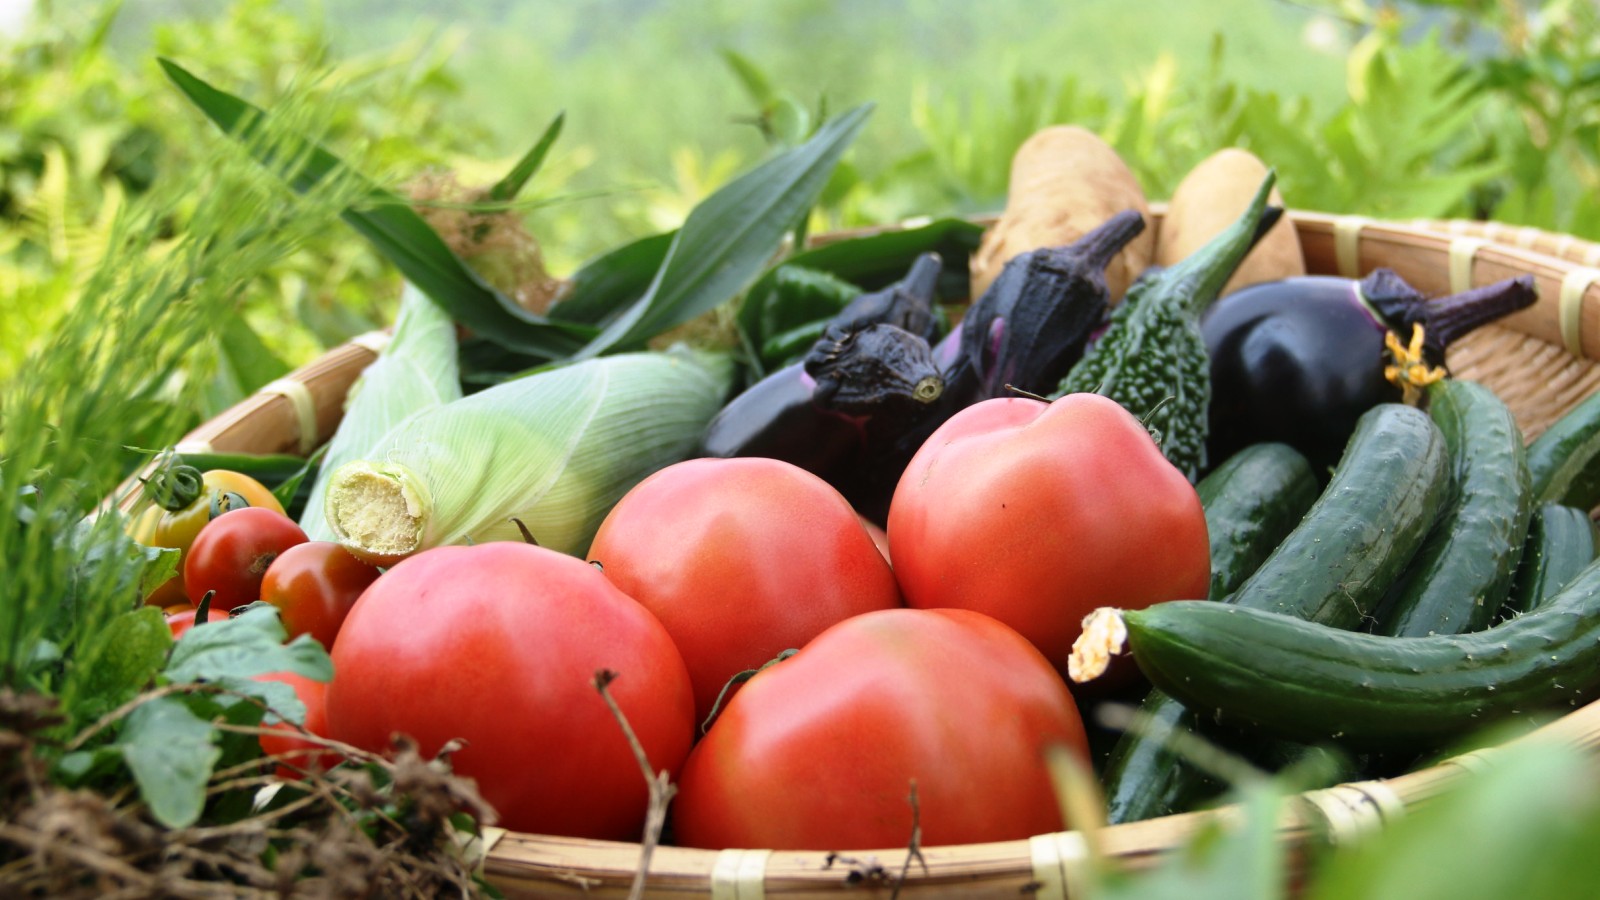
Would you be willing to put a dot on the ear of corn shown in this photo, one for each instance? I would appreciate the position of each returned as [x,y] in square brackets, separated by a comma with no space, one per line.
[418,370]
[553,451]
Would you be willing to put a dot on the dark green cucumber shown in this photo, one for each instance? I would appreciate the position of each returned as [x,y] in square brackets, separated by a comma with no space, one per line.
[1365,526]
[1308,682]
[1561,543]
[1462,573]
[1252,501]
[1565,461]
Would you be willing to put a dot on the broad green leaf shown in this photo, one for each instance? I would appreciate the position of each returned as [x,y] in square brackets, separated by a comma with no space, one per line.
[243,646]
[608,284]
[171,753]
[397,232]
[125,662]
[1483,839]
[508,187]
[731,235]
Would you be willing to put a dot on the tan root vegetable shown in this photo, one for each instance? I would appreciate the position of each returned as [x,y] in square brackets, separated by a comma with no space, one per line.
[1208,200]
[1065,181]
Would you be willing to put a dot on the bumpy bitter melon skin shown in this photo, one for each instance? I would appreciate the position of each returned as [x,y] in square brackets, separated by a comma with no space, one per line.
[1152,359]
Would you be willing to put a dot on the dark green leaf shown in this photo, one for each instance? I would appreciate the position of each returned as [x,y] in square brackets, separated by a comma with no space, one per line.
[130,653]
[397,232]
[286,491]
[243,646]
[871,262]
[731,235]
[171,753]
[507,188]
[82,766]
[607,284]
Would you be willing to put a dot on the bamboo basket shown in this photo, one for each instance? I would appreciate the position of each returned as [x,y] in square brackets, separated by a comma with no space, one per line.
[1539,361]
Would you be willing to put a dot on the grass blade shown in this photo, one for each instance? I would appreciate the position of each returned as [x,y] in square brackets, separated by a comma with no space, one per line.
[507,188]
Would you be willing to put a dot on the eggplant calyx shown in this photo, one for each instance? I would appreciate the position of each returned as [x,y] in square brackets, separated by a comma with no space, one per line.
[1408,368]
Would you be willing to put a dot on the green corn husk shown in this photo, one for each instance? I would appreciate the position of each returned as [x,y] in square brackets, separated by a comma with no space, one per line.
[417,371]
[554,451]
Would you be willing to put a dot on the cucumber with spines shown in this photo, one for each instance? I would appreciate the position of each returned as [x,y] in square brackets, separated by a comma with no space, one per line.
[1304,681]
[1462,573]
[1561,543]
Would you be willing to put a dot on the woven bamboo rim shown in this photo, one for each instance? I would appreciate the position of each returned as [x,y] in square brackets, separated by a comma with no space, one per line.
[1538,361]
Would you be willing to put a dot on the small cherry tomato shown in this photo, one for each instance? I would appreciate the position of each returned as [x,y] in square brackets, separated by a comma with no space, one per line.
[231,554]
[295,752]
[313,585]
[180,619]
[181,501]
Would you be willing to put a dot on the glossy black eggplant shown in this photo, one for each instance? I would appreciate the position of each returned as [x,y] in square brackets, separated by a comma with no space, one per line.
[872,368]
[1300,360]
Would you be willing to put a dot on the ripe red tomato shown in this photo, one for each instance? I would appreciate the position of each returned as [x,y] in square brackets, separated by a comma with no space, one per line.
[1037,513]
[313,585]
[496,644]
[741,559]
[818,751]
[287,742]
[231,554]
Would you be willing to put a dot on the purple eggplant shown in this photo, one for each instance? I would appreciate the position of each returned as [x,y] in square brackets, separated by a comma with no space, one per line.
[1300,360]
[871,370]
[1025,332]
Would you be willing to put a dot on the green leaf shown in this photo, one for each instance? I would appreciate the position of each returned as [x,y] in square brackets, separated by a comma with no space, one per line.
[731,235]
[289,488]
[608,284]
[1484,839]
[397,232]
[249,644]
[127,659]
[755,82]
[171,753]
[507,188]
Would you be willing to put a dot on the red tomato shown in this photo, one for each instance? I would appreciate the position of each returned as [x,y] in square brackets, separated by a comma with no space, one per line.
[1038,513]
[818,751]
[313,585]
[180,619]
[879,538]
[496,644]
[231,554]
[741,559]
[287,742]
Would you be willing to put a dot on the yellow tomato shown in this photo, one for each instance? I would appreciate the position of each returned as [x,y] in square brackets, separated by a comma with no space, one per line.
[181,501]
